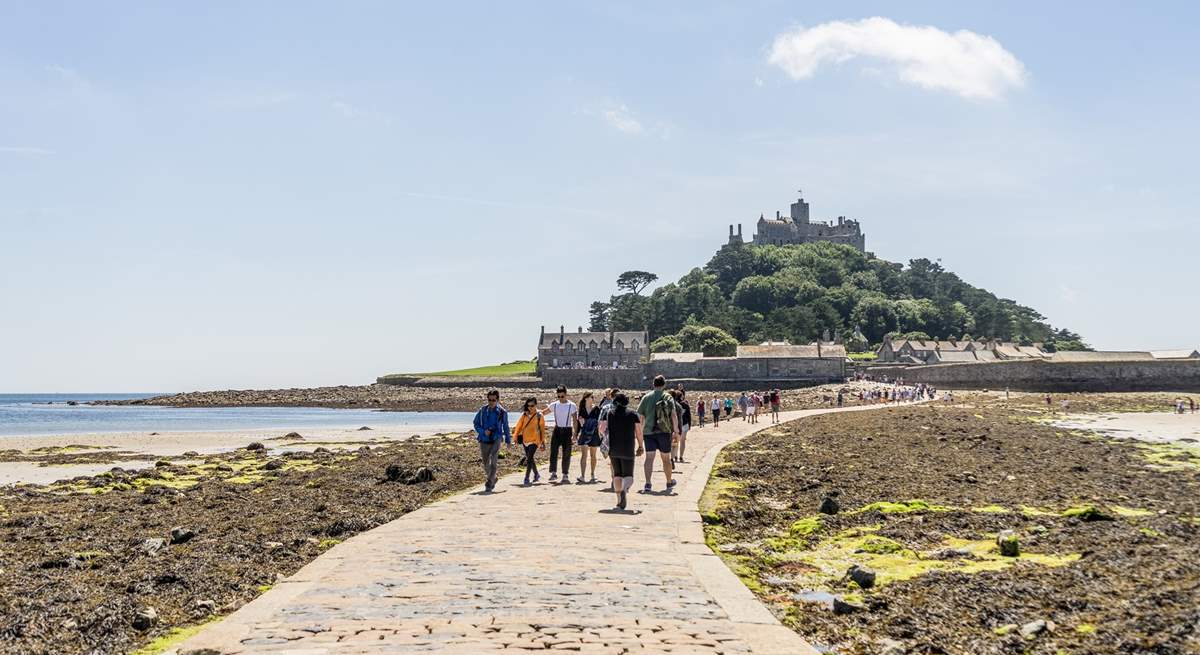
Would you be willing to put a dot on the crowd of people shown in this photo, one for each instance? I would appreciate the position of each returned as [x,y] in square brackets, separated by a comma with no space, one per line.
[655,429]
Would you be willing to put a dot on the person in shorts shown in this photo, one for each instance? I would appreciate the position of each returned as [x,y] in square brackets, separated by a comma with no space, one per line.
[661,420]
[685,424]
[624,430]
[587,422]
[775,402]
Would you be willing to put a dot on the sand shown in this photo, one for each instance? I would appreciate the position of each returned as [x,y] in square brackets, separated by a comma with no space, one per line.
[173,444]
[1154,427]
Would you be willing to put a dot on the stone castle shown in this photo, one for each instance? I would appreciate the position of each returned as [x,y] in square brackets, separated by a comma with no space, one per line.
[797,228]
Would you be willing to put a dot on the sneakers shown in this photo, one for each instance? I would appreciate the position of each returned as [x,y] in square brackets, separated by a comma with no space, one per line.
[621,500]
[671,483]
[526,481]
[580,480]
[648,488]
[553,476]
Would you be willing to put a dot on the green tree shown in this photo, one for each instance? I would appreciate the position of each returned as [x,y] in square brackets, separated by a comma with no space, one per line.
[707,339]
[598,315]
[634,281]
[668,344]
[875,315]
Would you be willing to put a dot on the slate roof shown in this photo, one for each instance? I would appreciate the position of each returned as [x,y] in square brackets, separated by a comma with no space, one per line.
[954,356]
[1101,356]
[599,337]
[677,357]
[1182,353]
[775,350]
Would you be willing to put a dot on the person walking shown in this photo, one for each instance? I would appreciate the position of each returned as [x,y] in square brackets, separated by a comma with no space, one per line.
[587,423]
[743,403]
[530,434]
[776,401]
[606,406]
[716,411]
[564,434]
[491,427]
[657,411]
[685,424]
[625,444]
[701,406]
[728,408]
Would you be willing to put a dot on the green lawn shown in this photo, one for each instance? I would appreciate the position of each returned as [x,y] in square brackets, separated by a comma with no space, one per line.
[497,370]
[862,357]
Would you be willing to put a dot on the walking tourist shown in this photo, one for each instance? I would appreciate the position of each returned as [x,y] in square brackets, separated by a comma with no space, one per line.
[716,411]
[776,400]
[588,425]
[701,406]
[607,406]
[624,430]
[752,403]
[743,403]
[491,426]
[657,410]
[530,434]
[685,424]
[728,408]
[564,433]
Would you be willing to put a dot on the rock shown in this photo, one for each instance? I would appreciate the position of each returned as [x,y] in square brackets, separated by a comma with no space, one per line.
[843,606]
[397,473]
[153,545]
[72,403]
[424,474]
[256,447]
[829,506]
[162,464]
[1010,545]
[69,624]
[363,428]
[191,453]
[890,647]
[364,450]
[776,581]
[180,535]
[145,619]
[272,545]
[273,465]
[204,606]
[862,576]
[294,436]
[1034,628]
[950,553]
[224,468]
[394,472]
[322,450]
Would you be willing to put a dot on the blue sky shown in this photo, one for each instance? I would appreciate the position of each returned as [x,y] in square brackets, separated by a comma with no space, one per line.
[211,195]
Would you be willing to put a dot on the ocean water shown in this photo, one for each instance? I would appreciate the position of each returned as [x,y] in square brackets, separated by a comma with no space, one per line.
[42,414]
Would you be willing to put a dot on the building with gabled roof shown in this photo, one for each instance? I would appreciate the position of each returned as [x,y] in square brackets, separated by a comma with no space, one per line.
[612,349]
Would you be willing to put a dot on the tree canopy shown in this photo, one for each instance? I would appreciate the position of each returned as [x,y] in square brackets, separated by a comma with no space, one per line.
[795,292]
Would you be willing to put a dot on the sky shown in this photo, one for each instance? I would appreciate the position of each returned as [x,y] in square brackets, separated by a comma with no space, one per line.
[263,194]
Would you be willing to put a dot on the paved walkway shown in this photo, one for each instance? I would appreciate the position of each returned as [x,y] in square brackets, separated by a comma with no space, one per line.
[548,567]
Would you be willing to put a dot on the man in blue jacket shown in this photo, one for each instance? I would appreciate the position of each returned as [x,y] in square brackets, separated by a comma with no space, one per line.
[491,426]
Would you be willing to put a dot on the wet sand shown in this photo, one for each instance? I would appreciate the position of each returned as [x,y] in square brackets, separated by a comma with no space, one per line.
[1153,427]
[174,444]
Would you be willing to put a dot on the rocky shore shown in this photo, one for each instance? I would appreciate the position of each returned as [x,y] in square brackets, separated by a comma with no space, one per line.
[415,398]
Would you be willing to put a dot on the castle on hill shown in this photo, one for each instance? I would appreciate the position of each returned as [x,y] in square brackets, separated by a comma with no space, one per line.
[798,228]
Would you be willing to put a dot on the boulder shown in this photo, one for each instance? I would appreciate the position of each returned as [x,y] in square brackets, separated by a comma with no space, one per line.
[829,506]
[204,607]
[256,447]
[293,436]
[153,545]
[363,428]
[862,576]
[1034,628]
[181,535]
[191,453]
[145,619]
[273,465]
[1010,545]
[843,606]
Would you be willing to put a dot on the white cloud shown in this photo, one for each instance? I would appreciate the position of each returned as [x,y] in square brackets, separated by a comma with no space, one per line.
[355,112]
[25,150]
[968,64]
[620,118]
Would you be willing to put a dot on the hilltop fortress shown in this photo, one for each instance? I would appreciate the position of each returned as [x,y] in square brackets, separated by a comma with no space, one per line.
[798,228]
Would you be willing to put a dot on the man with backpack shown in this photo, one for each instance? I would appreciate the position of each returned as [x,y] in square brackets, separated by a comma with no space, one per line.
[659,415]
[491,427]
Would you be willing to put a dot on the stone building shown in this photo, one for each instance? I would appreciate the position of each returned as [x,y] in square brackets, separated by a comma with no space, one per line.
[581,349]
[916,351]
[768,363]
[798,228]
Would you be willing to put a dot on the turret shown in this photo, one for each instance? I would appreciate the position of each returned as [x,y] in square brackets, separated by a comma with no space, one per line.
[800,211]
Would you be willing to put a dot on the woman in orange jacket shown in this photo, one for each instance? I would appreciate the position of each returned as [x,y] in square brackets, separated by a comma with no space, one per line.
[531,434]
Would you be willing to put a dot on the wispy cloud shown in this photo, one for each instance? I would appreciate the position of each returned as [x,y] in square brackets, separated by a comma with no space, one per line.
[964,62]
[355,112]
[620,118]
[25,150]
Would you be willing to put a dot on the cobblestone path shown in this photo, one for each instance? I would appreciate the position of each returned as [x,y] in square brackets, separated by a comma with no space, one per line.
[524,569]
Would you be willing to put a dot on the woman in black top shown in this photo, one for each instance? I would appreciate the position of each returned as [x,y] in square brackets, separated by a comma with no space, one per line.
[587,420]
[624,431]
[685,424]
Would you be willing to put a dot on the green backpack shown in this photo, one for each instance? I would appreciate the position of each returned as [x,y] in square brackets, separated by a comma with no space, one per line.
[664,414]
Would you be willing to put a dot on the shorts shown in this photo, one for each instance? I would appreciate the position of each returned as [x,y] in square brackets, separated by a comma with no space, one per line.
[622,467]
[774,407]
[684,430]
[659,441]
[593,441]
[751,410]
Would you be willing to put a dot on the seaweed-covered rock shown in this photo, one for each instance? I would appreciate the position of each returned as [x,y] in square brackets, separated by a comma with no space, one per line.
[145,618]
[181,535]
[829,506]
[862,576]
[1009,543]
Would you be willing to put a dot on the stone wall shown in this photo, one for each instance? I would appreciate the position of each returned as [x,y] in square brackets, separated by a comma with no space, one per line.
[1041,376]
[815,371]
[594,378]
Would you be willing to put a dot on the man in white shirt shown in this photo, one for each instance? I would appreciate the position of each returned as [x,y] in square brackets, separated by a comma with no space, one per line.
[564,435]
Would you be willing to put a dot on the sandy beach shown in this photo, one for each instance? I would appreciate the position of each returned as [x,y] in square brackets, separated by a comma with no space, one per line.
[124,446]
[1153,427]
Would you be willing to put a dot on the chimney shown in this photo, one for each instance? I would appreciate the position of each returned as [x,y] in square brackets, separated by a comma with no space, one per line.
[731,230]
[542,338]
[562,335]
[776,214]
[581,329]
[739,230]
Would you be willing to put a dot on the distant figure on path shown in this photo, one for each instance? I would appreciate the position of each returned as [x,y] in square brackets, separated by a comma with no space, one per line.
[1192,404]
[685,424]
[775,402]
[531,435]
[716,411]
[658,411]
[564,433]
[743,403]
[607,406]
[728,408]
[701,407]
[587,423]
[491,425]
[624,430]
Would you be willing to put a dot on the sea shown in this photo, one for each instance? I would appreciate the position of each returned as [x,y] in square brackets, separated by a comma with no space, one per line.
[49,414]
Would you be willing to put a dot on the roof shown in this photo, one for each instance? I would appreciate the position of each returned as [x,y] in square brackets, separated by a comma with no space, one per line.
[810,351]
[1183,353]
[1033,351]
[984,355]
[1012,352]
[955,356]
[1100,356]
[676,357]
[599,337]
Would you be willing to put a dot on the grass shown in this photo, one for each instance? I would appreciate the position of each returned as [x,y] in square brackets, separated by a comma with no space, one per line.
[497,370]
[862,357]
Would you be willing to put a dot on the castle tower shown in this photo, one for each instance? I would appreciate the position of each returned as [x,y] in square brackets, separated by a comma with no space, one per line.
[800,211]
